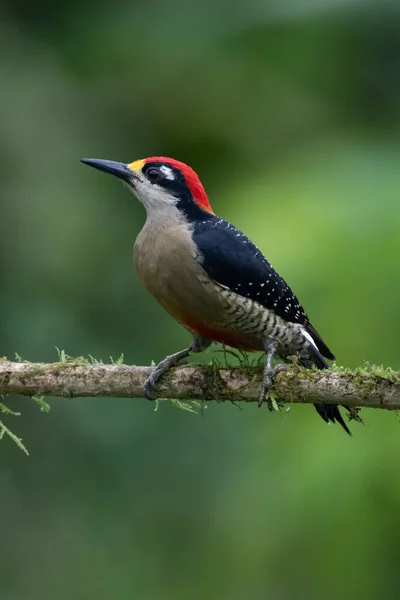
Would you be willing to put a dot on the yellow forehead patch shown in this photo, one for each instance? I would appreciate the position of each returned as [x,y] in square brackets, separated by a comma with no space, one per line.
[136,165]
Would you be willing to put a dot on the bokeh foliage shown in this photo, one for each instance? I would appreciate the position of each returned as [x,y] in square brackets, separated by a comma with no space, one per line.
[289,110]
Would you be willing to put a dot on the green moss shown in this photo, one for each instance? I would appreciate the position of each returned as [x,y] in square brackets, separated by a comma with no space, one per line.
[187,406]
[40,401]
[273,402]
[5,410]
[5,431]
[213,385]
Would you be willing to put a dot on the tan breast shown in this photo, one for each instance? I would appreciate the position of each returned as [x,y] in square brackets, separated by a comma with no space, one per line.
[165,259]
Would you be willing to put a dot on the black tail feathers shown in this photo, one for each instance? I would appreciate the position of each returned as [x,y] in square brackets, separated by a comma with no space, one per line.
[330,413]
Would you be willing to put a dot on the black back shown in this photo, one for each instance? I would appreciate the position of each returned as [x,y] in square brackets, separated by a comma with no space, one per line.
[232,260]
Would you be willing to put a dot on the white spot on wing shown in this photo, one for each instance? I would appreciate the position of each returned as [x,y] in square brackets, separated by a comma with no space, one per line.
[309,338]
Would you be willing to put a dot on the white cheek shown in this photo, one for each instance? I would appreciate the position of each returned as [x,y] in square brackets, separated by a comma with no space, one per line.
[152,196]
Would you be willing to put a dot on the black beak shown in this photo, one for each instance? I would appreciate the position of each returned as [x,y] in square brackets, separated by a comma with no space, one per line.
[118,169]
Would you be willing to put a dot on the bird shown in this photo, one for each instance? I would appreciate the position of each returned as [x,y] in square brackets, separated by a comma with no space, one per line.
[211,278]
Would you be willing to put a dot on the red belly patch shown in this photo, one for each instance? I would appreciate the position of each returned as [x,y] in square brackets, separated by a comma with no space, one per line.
[235,339]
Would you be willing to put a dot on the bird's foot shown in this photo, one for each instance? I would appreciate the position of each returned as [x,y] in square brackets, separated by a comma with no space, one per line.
[269,374]
[150,385]
[174,360]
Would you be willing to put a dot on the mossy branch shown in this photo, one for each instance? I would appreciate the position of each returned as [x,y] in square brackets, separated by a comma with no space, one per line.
[373,387]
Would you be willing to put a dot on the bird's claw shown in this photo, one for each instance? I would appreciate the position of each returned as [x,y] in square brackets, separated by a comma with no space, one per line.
[279,368]
[269,374]
[264,390]
[150,386]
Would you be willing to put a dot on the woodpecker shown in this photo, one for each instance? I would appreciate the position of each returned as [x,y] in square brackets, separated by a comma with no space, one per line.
[211,278]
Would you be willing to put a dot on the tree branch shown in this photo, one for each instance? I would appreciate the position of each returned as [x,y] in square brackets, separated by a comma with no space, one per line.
[374,387]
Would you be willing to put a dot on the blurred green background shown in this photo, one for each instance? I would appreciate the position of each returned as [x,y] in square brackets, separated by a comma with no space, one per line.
[289,110]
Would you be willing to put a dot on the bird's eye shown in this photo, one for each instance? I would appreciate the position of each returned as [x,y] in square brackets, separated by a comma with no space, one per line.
[153,175]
